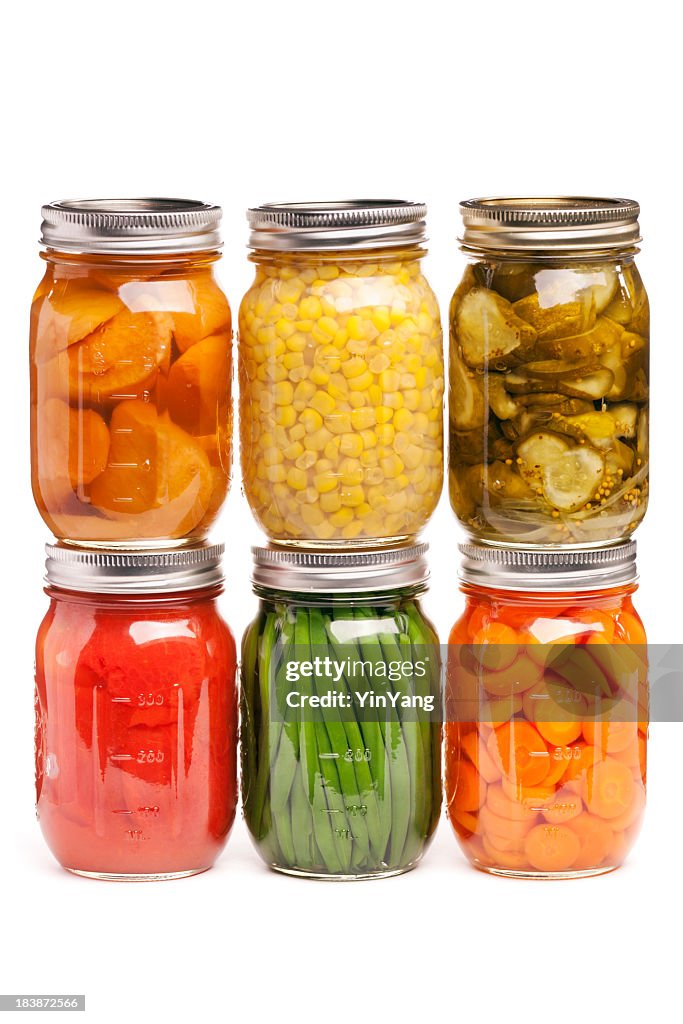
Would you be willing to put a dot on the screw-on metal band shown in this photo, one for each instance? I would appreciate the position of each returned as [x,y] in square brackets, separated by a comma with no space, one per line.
[549,225]
[350,224]
[331,572]
[136,226]
[134,572]
[549,570]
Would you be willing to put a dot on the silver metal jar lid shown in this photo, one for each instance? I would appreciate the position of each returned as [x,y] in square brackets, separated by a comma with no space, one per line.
[550,224]
[551,570]
[330,572]
[350,224]
[136,226]
[134,572]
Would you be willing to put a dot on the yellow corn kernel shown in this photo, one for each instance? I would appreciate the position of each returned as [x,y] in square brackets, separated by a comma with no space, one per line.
[272,456]
[389,380]
[311,419]
[330,501]
[341,518]
[324,530]
[293,451]
[369,438]
[285,416]
[319,376]
[363,418]
[351,445]
[385,434]
[297,479]
[325,482]
[375,395]
[293,360]
[310,308]
[379,363]
[350,473]
[297,432]
[311,515]
[283,393]
[306,460]
[391,466]
[328,325]
[354,326]
[362,382]
[316,442]
[304,391]
[351,497]
[276,474]
[363,510]
[322,403]
[284,329]
[412,457]
[338,422]
[353,529]
[381,318]
[383,414]
[353,367]
[331,449]
[402,419]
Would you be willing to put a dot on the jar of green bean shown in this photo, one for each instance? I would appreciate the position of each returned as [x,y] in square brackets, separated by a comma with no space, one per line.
[341,709]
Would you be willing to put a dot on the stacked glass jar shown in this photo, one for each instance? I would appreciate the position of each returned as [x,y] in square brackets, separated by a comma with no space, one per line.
[341,391]
[547,683]
[131,422]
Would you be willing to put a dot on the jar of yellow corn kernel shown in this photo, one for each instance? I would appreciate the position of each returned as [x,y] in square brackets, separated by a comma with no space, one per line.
[341,374]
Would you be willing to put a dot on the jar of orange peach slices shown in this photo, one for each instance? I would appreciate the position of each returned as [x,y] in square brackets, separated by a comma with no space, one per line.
[130,372]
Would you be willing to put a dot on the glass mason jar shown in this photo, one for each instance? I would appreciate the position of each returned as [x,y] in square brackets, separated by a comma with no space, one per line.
[136,713]
[341,374]
[547,711]
[549,376]
[131,417]
[341,711]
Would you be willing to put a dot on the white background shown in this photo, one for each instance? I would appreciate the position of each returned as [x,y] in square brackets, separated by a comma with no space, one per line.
[244,103]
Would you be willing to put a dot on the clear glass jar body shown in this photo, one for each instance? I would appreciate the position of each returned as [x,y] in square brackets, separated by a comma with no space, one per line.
[339,794]
[136,733]
[131,415]
[546,733]
[549,388]
[341,392]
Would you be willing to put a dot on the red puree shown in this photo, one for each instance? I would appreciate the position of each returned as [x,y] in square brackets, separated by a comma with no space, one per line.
[136,732]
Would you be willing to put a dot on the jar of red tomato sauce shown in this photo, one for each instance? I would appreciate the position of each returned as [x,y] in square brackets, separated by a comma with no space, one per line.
[136,713]
[547,711]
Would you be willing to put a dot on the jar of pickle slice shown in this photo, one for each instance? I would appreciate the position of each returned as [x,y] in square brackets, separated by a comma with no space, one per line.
[549,373]
[131,417]
[547,711]
[341,374]
[341,713]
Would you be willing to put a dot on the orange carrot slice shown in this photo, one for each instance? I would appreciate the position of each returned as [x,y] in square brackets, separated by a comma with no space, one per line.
[552,848]
[474,748]
[523,753]
[596,838]
[469,788]
[501,805]
[608,788]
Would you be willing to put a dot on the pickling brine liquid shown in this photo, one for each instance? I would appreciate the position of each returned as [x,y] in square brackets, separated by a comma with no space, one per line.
[136,731]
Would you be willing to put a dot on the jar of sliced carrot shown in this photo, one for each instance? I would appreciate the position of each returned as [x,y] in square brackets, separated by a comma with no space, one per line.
[547,711]
[130,372]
